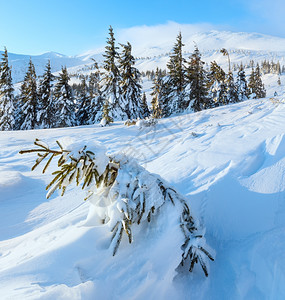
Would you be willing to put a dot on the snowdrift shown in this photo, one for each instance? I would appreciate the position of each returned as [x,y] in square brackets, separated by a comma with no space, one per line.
[228,162]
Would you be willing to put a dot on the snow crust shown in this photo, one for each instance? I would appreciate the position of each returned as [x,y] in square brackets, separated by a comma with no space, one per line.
[230,164]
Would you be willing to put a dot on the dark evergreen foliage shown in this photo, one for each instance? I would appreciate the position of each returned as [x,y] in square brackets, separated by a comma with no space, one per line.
[255,85]
[46,104]
[111,77]
[242,88]
[29,100]
[64,102]
[160,96]
[95,94]
[177,76]
[84,103]
[144,106]
[7,111]
[131,88]
[196,75]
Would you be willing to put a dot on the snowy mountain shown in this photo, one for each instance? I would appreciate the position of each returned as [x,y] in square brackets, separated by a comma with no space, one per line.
[20,63]
[228,162]
[151,46]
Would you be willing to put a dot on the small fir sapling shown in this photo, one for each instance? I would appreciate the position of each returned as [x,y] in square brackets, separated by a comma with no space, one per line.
[122,193]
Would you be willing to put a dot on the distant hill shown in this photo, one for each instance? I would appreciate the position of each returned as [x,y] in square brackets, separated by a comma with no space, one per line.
[151,47]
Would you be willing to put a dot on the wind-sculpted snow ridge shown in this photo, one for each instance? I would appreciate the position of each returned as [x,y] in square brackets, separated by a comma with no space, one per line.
[229,164]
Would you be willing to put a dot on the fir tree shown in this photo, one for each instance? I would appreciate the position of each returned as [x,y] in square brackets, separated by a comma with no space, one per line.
[130,84]
[255,85]
[7,111]
[46,105]
[160,95]
[197,82]
[251,84]
[177,80]
[84,103]
[144,106]
[217,94]
[64,102]
[123,194]
[29,99]
[242,89]
[232,95]
[97,102]
[106,118]
[111,77]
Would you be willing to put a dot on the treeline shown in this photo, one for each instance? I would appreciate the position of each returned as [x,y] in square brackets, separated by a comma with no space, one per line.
[189,86]
[113,90]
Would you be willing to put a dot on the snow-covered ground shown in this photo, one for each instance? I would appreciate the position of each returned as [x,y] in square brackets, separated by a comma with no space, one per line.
[230,164]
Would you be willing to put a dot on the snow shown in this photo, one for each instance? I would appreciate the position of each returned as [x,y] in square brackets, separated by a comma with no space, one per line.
[151,45]
[229,162]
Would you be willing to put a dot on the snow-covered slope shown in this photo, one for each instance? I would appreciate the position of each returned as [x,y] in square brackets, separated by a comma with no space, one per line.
[151,46]
[20,63]
[230,164]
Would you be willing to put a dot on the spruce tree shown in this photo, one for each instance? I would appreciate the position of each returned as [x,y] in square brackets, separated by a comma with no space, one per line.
[106,118]
[160,95]
[84,103]
[232,95]
[130,84]
[7,111]
[111,77]
[197,82]
[255,85]
[260,89]
[124,195]
[29,99]
[217,94]
[144,106]
[96,99]
[251,84]
[46,104]
[177,80]
[64,102]
[242,89]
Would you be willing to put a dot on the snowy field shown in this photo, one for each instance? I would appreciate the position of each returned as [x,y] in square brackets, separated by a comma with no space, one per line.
[230,164]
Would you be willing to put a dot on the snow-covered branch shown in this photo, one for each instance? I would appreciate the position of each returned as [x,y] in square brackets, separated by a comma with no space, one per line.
[122,193]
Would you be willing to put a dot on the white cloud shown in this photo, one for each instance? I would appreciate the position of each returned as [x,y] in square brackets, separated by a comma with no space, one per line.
[146,37]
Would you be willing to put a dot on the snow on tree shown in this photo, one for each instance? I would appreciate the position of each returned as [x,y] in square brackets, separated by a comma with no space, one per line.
[242,89]
[29,99]
[7,111]
[46,105]
[64,102]
[111,78]
[232,96]
[255,85]
[197,82]
[160,95]
[216,85]
[144,106]
[130,84]
[123,195]
[177,76]
[84,103]
[106,118]
[97,102]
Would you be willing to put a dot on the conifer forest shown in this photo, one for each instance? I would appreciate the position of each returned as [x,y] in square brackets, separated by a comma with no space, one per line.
[113,89]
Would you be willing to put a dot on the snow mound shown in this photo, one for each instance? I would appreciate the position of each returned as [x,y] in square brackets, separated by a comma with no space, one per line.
[232,173]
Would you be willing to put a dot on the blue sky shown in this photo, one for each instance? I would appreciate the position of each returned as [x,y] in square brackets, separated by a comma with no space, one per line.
[73,27]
